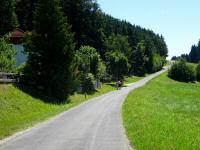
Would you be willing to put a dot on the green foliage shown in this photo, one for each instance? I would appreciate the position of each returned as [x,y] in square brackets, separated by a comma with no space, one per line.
[193,57]
[182,71]
[20,69]
[118,43]
[135,34]
[51,51]
[138,60]
[25,13]
[161,46]
[195,53]
[87,82]
[86,21]
[158,63]
[90,62]
[164,114]
[7,56]
[8,19]
[91,27]
[198,72]
[117,65]
[102,70]
[105,33]
[90,66]
[184,57]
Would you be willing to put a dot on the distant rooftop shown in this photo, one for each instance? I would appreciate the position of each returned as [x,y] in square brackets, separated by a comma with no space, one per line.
[17,35]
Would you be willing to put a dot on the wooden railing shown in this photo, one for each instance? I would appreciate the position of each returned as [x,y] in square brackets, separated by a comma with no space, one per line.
[9,77]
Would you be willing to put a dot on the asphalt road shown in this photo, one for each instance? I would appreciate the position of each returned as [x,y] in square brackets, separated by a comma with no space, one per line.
[94,125]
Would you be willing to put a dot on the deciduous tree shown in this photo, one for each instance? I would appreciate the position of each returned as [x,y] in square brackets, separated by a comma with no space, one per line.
[7,56]
[117,65]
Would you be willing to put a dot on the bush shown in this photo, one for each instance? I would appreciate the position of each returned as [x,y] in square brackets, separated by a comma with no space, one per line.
[7,56]
[20,69]
[181,71]
[198,72]
[87,83]
[158,63]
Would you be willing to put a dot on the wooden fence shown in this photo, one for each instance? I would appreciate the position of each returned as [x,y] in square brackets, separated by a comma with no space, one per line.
[9,77]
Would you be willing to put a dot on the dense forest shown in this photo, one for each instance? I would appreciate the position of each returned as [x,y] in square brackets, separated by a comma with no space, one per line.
[73,43]
[193,56]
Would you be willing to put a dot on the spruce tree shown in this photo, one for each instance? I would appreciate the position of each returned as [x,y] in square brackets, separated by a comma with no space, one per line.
[51,51]
[138,59]
[85,18]
[8,19]
[194,54]
[25,12]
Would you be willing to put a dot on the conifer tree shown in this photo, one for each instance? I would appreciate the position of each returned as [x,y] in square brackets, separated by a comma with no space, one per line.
[8,19]
[25,12]
[138,59]
[86,21]
[51,51]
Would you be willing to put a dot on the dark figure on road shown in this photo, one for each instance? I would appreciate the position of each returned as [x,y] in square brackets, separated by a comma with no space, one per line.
[119,84]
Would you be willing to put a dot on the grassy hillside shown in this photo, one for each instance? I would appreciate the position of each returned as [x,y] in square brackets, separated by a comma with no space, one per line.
[164,115]
[19,110]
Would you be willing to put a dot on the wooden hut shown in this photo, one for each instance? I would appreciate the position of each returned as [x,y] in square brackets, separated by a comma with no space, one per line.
[16,36]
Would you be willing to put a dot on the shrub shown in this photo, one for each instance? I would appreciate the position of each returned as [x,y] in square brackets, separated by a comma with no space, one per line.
[198,72]
[20,69]
[181,71]
[7,56]
[158,63]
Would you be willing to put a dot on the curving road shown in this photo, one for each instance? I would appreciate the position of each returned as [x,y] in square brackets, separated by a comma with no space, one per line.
[94,125]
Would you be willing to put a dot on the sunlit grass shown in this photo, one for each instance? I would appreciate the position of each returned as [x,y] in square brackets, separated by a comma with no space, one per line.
[132,79]
[18,110]
[164,115]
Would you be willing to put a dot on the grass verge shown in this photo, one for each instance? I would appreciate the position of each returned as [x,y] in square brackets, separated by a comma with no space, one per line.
[18,110]
[132,79]
[164,115]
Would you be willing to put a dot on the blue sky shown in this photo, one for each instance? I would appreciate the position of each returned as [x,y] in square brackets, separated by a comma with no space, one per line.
[177,20]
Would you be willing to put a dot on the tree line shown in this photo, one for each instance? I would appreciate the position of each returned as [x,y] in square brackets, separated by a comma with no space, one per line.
[73,43]
[193,56]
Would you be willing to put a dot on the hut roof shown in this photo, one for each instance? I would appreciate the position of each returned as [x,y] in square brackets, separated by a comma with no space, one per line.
[17,35]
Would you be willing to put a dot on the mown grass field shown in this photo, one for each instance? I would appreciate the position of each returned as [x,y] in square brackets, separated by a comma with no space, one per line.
[19,110]
[164,115]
